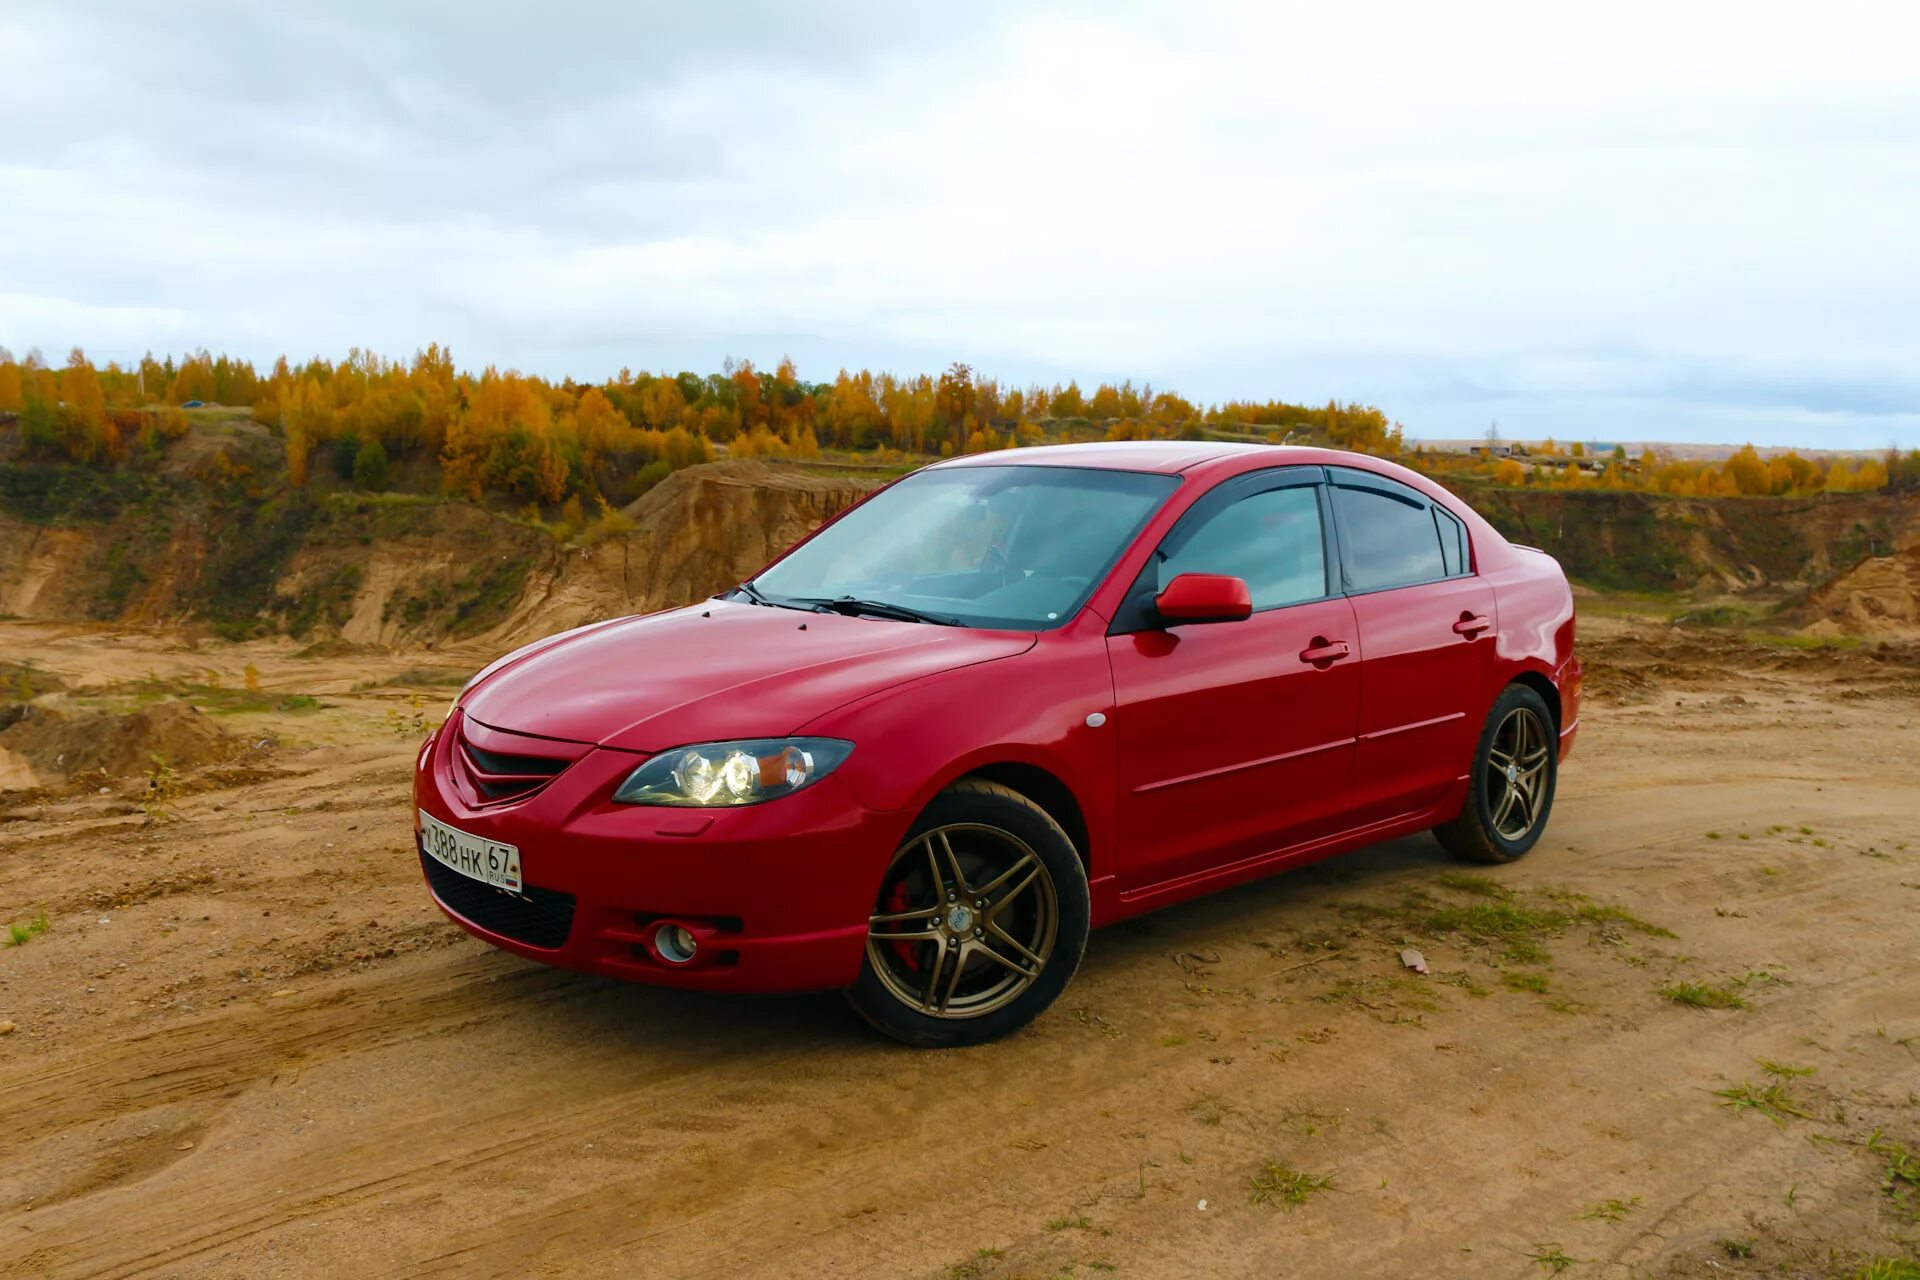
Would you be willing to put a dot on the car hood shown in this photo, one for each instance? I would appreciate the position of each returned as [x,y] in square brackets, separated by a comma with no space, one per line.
[714,671]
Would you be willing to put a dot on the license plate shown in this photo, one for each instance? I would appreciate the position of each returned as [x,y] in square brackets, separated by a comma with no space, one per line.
[487,861]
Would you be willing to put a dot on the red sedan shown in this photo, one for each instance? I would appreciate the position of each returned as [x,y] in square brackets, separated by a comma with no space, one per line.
[1003,701]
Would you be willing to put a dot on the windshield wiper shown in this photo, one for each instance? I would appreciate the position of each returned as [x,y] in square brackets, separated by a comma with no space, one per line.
[752,593]
[853,606]
[757,596]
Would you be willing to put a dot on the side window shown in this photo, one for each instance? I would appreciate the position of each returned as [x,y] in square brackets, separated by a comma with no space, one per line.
[1387,541]
[1453,541]
[1271,539]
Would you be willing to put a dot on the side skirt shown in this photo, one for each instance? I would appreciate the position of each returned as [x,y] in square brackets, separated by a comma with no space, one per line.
[1111,904]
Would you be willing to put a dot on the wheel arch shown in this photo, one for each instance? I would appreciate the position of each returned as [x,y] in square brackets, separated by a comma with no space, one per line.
[1548,691]
[1045,789]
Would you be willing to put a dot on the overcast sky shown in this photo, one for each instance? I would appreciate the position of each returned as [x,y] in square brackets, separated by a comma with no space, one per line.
[1681,221]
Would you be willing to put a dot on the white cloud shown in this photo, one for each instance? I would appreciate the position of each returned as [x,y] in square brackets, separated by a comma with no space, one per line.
[1675,221]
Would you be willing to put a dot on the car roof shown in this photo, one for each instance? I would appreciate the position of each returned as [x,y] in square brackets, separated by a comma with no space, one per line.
[1166,456]
[1173,457]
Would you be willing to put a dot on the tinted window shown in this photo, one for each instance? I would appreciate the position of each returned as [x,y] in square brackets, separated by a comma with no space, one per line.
[1453,542]
[1387,542]
[1271,539]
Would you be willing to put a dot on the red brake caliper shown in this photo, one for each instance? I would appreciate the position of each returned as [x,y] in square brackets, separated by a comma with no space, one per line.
[909,952]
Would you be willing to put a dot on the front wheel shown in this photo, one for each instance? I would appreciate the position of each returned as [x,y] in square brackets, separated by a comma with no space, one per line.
[979,924]
[1515,769]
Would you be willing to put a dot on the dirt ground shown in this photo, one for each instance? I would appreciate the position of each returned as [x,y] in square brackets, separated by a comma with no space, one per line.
[245,1043]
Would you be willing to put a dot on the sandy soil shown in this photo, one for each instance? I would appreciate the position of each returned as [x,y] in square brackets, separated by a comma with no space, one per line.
[247,1045]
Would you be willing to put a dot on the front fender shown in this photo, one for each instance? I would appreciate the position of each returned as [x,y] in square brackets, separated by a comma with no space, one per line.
[913,740]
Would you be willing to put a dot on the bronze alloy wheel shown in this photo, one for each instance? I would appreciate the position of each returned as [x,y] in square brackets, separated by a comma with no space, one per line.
[969,916]
[1516,775]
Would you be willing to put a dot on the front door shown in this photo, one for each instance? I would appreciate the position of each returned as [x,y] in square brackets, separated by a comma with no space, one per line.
[1236,738]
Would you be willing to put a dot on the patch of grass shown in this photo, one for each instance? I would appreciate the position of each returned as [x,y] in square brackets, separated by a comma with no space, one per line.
[212,697]
[1078,1222]
[1769,1100]
[1902,1176]
[1512,927]
[1736,1248]
[1553,1258]
[1535,982]
[1611,1210]
[1713,835]
[1171,1040]
[1380,995]
[975,1266]
[1702,995]
[1781,1071]
[1889,1269]
[1604,915]
[1478,886]
[1207,1109]
[19,935]
[1278,1182]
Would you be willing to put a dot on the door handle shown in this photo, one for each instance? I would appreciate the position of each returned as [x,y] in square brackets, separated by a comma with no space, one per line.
[1323,652]
[1472,624]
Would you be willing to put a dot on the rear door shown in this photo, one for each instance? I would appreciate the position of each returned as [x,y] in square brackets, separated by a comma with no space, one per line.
[1236,738]
[1426,626]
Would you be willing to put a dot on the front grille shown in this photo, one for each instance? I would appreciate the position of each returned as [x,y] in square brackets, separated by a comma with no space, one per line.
[497,775]
[535,916]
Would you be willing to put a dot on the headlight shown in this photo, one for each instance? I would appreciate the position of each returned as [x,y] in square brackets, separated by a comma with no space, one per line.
[723,774]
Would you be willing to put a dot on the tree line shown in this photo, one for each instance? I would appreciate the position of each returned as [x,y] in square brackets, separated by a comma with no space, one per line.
[423,423]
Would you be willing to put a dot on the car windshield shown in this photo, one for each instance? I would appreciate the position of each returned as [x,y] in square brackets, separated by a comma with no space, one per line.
[1012,547]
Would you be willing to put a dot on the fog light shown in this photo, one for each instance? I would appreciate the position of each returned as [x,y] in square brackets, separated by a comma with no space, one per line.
[674,943]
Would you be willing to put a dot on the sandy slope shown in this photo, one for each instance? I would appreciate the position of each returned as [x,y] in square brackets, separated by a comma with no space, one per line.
[248,1046]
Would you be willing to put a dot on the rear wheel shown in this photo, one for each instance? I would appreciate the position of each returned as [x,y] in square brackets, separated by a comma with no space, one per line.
[1515,769]
[979,924]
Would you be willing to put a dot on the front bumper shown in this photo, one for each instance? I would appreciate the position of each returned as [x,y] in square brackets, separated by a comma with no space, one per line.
[776,894]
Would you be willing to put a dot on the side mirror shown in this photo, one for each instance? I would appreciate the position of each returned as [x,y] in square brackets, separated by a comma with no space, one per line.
[1204,597]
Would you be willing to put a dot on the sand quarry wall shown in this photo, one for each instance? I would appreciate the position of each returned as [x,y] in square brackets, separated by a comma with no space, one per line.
[395,570]
[408,571]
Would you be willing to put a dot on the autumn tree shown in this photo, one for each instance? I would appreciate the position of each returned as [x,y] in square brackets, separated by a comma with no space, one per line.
[953,404]
[90,433]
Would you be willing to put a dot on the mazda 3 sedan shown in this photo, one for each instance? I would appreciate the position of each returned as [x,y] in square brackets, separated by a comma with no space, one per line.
[1003,701]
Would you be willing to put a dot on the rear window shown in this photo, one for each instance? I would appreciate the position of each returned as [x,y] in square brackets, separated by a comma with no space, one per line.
[1387,540]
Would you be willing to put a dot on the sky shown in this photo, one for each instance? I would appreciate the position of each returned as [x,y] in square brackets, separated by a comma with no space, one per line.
[1676,221]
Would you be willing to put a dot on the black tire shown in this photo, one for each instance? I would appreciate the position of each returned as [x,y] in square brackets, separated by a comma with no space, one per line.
[987,830]
[1487,829]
